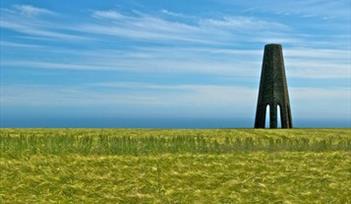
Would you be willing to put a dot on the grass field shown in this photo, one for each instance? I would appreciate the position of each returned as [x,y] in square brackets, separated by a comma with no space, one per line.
[175,166]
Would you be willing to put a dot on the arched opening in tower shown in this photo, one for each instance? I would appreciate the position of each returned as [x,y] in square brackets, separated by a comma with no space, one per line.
[267,123]
[279,120]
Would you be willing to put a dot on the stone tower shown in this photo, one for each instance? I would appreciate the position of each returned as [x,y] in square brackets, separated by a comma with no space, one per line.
[273,89]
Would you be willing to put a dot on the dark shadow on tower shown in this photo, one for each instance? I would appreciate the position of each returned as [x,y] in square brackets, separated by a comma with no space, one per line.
[273,89]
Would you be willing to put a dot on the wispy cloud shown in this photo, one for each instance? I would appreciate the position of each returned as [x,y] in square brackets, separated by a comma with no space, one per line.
[17,20]
[143,27]
[324,9]
[29,10]
[109,14]
[54,65]
[341,55]
[201,99]
[186,100]
[32,29]
[300,62]
[174,14]
[242,22]
[208,30]
[19,45]
[140,26]
[149,66]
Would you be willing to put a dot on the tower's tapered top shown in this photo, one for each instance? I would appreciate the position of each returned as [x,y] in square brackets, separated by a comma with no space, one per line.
[273,45]
[272,52]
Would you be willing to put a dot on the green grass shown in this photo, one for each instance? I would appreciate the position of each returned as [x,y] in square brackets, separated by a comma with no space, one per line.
[175,166]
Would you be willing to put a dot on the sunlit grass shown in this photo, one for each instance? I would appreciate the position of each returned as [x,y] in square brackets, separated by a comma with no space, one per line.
[175,166]
[141,142]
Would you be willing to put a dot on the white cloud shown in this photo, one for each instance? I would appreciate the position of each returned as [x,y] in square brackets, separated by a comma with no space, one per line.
[318,69]
[109,14]
[32,29]
[147,66]
[241,22]
[186,100]
[174,14]
[202,31]
[19,45]
[323,9]
[142,27]
[178,100]
[145,27]
[56,65]
[11,19]
[319,53]
[299,63]
[196,48]
[29,10]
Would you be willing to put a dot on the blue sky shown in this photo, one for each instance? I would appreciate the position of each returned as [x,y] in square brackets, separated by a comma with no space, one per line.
[73,60]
